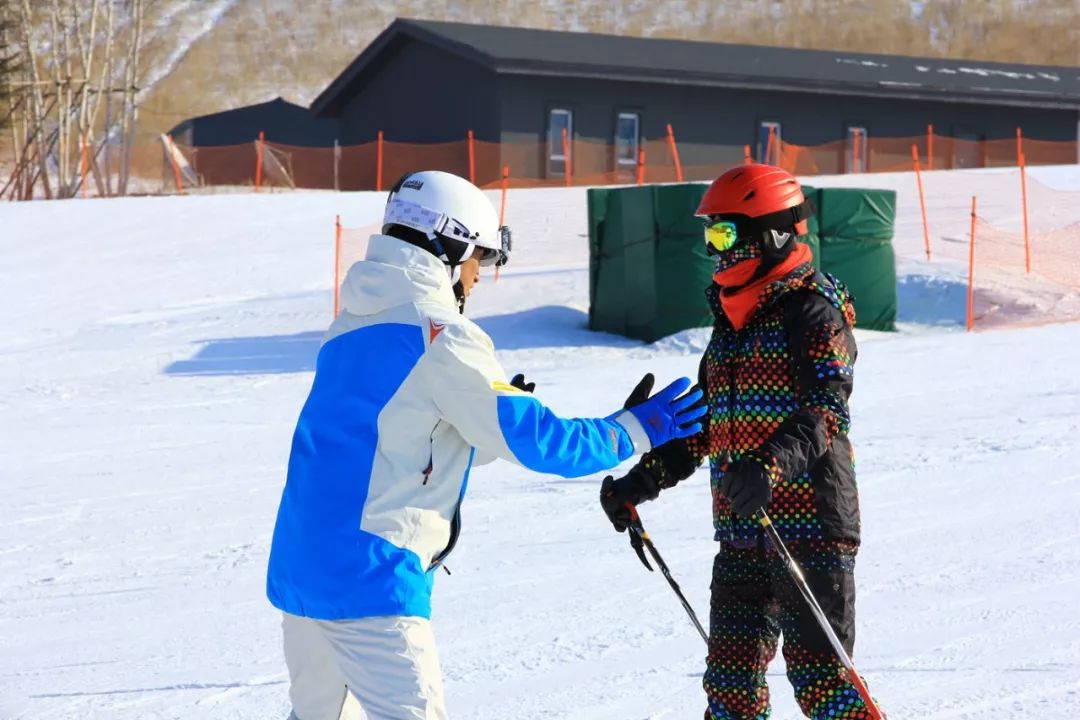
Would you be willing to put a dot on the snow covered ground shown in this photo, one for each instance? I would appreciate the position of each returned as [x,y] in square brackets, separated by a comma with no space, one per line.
[155,353]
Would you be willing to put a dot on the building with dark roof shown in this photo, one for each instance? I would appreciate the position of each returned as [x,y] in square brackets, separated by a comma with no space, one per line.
[518,90]
[431,82]
[280,120]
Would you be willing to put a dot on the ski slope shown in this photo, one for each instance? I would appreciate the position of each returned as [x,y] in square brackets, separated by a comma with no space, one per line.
[156,351]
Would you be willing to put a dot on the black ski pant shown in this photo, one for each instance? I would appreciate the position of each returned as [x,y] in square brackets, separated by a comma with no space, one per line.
[754,602]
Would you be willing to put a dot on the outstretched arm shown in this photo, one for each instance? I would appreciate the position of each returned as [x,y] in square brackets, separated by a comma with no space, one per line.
[470,390]
[661,468]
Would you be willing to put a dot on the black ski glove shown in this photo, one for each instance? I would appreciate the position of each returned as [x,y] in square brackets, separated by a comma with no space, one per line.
[641,392]
[635,487]
[747,485]
[518,381]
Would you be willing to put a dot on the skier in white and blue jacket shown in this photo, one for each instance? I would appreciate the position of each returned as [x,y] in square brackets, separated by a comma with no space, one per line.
[407,397]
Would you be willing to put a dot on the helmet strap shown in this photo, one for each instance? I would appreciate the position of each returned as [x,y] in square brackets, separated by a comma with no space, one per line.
[459,296]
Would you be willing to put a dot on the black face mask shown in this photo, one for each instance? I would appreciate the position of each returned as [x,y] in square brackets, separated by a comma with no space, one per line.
[764,250]
[744,249]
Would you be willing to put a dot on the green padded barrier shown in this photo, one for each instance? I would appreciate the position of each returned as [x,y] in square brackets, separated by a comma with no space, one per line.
[648,268]
[868,268]
[622,231]
[682,267]
[854,213]
[814,241]
[596,202]
[811,194]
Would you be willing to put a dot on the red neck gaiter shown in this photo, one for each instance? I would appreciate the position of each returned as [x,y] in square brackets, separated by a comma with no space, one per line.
[740,304]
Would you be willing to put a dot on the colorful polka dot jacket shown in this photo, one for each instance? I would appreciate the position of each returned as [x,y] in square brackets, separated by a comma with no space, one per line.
[778,393]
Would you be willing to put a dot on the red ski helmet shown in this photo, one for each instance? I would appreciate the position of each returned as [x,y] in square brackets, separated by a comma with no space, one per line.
[758,198]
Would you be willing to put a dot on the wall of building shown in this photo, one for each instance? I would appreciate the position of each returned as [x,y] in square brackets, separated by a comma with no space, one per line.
[712,124]
[282,122]
[421,94]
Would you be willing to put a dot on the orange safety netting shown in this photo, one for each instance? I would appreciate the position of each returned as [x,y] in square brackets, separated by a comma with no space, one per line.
[1005,295]
[1019,276]
[1013,285]
[350,246]
[377,164]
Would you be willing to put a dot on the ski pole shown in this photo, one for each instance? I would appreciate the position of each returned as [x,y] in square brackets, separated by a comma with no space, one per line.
[800,581]
[639,537]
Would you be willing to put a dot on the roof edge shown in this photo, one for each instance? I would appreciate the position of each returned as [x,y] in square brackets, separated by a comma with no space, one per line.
[882,88]
[326,101]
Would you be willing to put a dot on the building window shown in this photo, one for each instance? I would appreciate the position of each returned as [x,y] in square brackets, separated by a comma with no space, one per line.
[856,153]
[560,122]
[768,144]
[627,140]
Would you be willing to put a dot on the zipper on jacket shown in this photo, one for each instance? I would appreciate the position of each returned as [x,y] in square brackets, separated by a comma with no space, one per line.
[455,521]
[455,531]
[732,397]
[431,454]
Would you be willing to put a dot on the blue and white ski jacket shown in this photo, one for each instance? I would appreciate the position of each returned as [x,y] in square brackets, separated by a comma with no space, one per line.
[407,396]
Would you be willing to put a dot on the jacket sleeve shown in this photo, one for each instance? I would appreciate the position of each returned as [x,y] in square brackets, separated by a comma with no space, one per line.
[470,390]
[666,466]
[823,355]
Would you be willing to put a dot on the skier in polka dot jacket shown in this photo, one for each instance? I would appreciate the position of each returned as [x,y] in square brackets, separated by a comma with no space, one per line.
[777,375]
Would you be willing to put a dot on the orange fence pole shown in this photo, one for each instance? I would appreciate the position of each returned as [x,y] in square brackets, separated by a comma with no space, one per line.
[747,158]
[855,153]
[502,203]
[175,167]
[502,206]
[259,160]
[85,164]
[641,167]
[971,271]
[337,264]
[1023,195]
[567,170]
[930,146]
[378,162]
[922,199]
[674,153]
[472,159]
[1019,146]
[337,166]
[769,145]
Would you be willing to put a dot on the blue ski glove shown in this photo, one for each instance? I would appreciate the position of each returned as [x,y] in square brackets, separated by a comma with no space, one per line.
[669,414]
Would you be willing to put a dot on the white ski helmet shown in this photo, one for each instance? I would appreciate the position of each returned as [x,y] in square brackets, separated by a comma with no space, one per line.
[452,213]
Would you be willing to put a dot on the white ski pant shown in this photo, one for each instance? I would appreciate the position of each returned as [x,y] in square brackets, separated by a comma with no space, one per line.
[389,664]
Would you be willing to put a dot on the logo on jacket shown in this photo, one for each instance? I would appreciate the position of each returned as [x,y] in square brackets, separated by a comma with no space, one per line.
[434,329]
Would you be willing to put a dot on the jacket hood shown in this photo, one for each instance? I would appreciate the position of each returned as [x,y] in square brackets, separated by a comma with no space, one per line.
[394,273]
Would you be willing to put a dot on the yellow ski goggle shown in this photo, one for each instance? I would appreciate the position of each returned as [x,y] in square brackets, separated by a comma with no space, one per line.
[720,235]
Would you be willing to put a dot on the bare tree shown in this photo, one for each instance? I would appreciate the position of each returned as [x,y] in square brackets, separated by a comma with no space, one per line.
[129,109]
[67,53]
[7,64]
